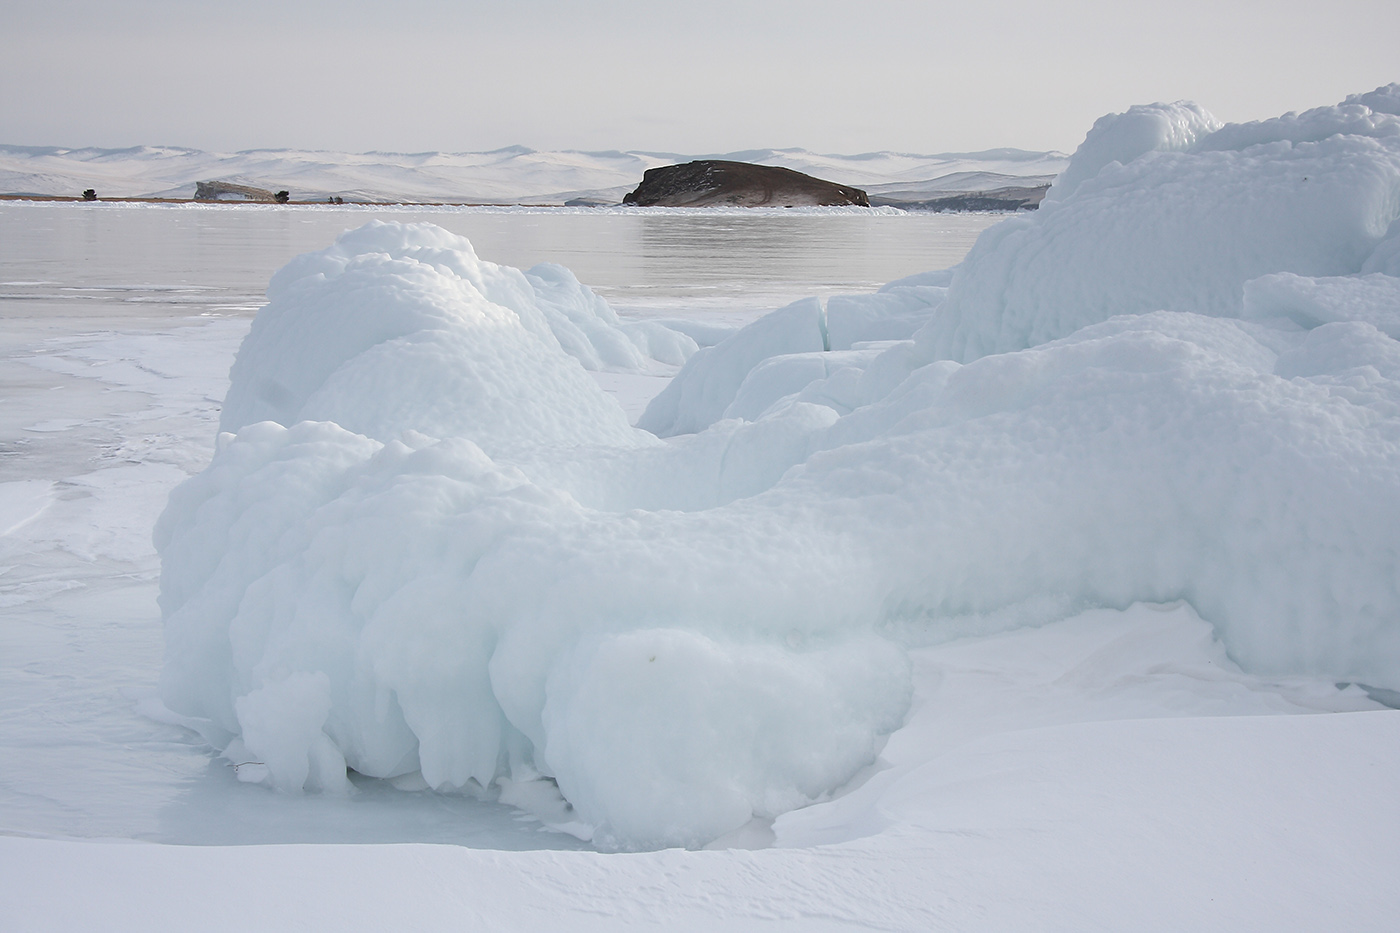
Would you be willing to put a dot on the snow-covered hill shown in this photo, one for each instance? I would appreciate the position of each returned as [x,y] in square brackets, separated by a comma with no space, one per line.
[511,175]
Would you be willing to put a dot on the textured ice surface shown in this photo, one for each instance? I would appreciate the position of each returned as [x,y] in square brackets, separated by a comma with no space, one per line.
[711,387]
[1035,765]
[470,574]
[1180,226]
[363,589]
[401,327]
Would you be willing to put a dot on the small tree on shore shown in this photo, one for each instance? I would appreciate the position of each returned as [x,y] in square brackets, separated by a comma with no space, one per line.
[283,197]
[89,194]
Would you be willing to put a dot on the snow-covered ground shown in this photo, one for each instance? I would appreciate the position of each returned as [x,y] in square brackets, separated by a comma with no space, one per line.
[510,176]
[1053,592]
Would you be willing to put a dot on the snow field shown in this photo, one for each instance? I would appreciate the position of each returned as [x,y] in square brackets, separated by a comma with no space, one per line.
[1109,771]
[1175,382]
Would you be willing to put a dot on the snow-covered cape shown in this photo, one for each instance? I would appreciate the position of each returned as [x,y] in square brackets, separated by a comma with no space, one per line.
[435,551]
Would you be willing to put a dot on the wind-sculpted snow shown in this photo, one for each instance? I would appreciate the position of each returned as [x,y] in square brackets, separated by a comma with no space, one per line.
[489,583]
[723,381]
[1180,230]
[1123,137]
[400,327]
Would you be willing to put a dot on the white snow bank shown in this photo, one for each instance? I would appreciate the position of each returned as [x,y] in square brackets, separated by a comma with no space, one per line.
[714,374]
[1307,302]
[1038,686]
[494,583]
[473,626]
[1123,137]
[1069,820]
[711,384]
[352,597]
[401,326]
[1180,230]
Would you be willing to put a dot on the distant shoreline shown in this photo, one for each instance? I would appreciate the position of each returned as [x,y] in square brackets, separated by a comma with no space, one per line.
[82,200]
[912,208]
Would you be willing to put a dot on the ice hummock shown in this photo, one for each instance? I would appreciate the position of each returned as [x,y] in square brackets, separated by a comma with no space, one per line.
[1177,381]
[487,347]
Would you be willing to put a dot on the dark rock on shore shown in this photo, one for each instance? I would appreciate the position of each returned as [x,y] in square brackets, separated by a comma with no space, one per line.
[717,183]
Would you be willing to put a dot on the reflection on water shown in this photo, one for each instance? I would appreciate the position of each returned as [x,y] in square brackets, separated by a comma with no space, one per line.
[819,251]
[207,257]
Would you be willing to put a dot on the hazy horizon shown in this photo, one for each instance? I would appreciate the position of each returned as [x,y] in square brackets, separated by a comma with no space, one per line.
[515,147]
[838,77]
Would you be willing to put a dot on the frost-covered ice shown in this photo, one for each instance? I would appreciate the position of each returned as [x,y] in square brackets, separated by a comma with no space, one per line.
[467,572]
[1181,226]
[996,600]
[488,347]
[414,543]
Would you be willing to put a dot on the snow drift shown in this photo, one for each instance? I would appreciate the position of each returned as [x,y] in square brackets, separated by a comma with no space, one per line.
[1179,219]
[485,347]
[434,553]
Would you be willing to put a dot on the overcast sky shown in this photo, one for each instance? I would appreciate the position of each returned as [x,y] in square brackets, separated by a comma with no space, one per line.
[689,77]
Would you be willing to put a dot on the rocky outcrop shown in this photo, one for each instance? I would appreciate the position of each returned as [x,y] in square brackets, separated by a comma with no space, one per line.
[717,183]
[219,190]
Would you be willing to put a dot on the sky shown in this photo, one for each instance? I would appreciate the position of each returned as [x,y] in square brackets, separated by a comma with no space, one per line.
[835,76]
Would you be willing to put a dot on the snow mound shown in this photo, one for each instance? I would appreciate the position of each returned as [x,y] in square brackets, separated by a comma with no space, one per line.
[1161,217]
[1123,137]
[712,383]
[471,625]
[1178,382]
[401,326]
[1306,302]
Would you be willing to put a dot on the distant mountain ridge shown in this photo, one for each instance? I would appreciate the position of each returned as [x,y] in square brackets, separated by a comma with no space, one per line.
[510,175]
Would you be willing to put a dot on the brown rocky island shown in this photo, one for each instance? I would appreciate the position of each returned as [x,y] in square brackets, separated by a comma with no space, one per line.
[717,183]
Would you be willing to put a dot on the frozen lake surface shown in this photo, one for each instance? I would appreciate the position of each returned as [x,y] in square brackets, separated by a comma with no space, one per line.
[119,325]
[1059,766]
[662,262]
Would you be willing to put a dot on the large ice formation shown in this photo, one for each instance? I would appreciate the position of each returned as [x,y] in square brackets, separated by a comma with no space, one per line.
[435,553]
[345,327]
